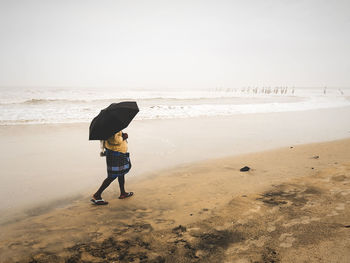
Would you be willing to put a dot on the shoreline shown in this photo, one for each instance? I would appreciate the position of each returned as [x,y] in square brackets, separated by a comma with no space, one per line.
[53,162]
[59,203]
[231,214]
[44,207]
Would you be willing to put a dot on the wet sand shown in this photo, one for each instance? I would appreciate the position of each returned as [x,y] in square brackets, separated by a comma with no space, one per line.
[56,162]
[292,206]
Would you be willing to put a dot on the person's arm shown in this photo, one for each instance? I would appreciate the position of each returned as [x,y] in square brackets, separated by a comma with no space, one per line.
[102,147]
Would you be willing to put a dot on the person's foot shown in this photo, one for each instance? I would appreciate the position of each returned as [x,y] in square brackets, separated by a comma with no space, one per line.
[96,197]
[126,195]
[97,200]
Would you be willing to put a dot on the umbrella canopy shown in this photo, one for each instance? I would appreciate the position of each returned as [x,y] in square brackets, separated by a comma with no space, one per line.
[112,119]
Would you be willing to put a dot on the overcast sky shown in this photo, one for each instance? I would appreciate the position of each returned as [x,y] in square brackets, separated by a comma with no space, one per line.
[170,44]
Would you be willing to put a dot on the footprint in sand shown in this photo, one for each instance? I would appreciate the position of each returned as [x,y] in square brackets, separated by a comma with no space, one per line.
[302,220]
[246,245]
[326,179]
[242,221]
[335,191]
[333,213]
[310,204]
[271,227]
[260,242]
[340,206]
[255,209]
[345,192]
[287,240]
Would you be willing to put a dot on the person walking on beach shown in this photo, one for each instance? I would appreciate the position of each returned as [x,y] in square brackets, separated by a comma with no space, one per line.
[118,164]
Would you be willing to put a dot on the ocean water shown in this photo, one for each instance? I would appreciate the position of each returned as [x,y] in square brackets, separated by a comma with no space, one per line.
[70,105]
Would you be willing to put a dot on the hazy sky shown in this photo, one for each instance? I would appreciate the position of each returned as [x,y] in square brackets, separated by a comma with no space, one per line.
[149,43]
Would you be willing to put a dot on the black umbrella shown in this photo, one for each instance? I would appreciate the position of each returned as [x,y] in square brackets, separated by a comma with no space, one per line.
[112,119]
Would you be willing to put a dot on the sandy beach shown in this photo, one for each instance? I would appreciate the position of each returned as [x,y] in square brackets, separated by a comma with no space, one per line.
[56,162]
[235,116]
[191,203]
[292,206]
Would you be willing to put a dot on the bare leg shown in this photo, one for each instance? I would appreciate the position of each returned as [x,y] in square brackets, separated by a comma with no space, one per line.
[121,180]
[123,193]
[104,185]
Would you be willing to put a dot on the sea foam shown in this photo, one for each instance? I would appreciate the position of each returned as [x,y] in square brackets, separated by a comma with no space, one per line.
[69,105]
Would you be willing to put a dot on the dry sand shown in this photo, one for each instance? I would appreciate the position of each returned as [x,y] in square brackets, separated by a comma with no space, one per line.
[292,206]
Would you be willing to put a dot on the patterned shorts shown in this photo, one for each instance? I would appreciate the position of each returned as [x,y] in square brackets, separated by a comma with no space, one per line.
[117,163]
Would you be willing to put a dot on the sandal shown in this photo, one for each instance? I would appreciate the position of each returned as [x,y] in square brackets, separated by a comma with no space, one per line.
[98,201]
[126,195]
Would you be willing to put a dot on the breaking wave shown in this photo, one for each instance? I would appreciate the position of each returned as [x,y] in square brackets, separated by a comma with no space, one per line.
[81,105]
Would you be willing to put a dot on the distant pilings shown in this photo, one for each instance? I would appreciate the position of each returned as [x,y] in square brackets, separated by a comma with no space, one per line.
[259,90]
